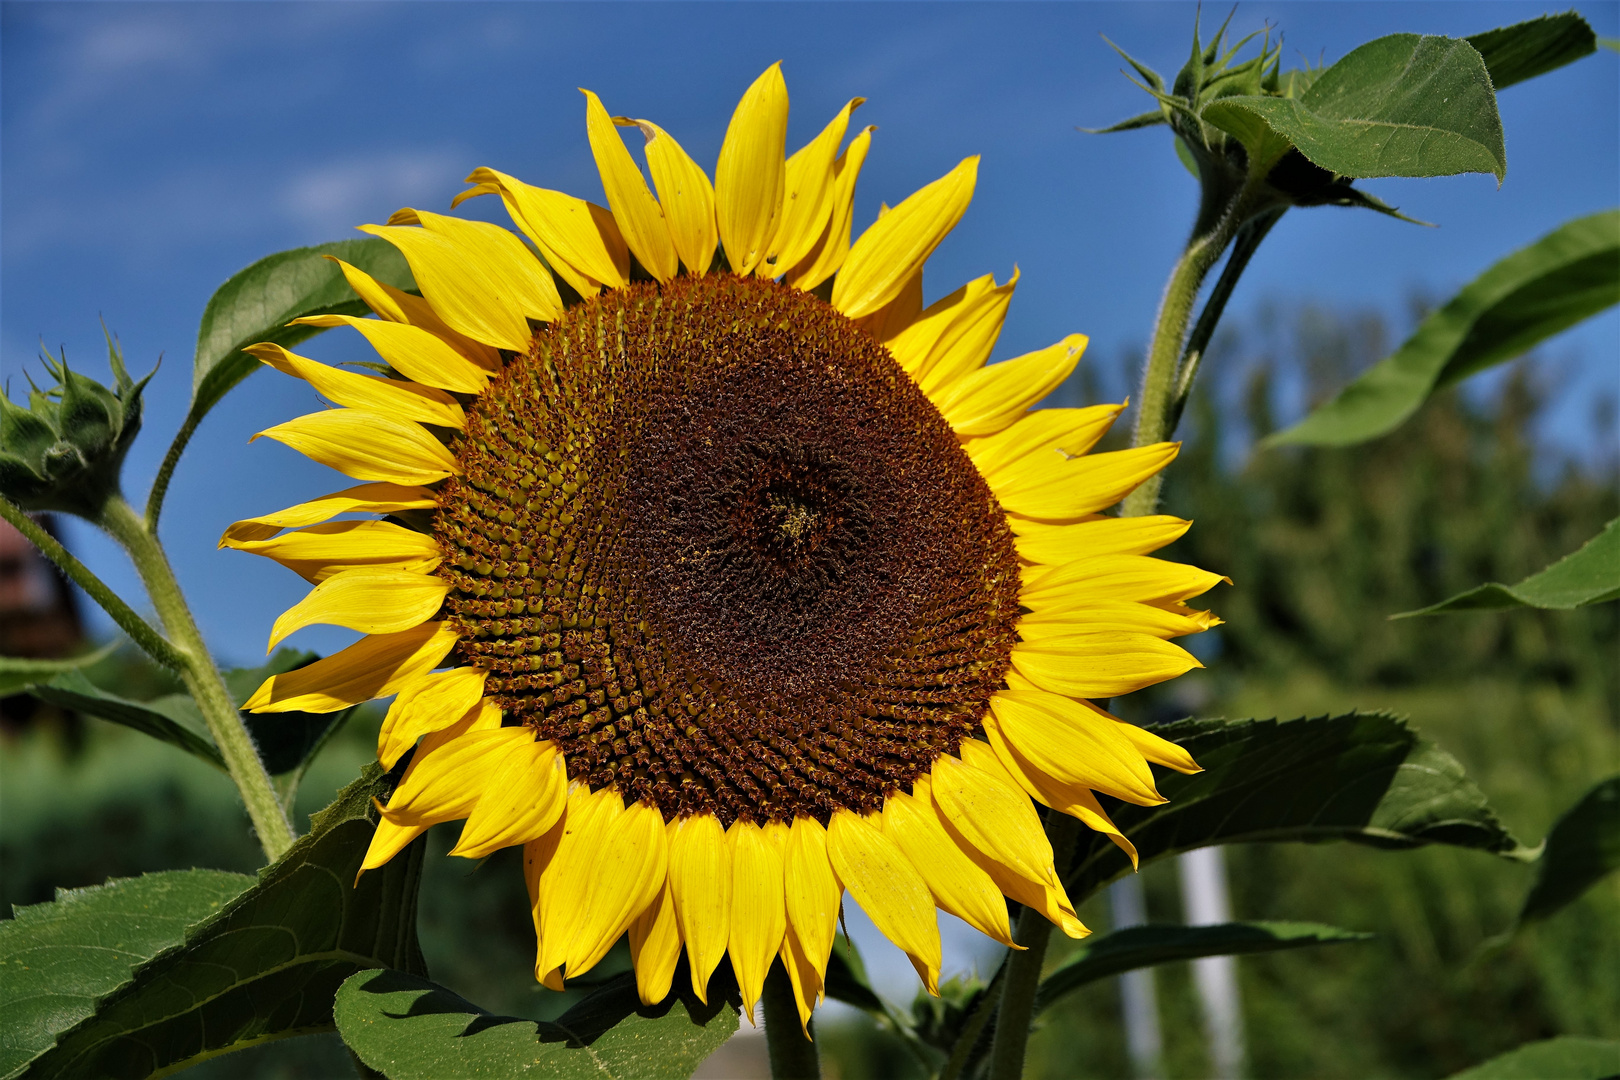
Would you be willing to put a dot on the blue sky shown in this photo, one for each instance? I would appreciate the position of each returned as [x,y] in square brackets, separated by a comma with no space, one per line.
[148,151]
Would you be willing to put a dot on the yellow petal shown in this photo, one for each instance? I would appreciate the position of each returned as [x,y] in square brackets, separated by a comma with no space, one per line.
[1041,542]
[1067,741]
[1102,664]
[758,906]
[405,400]
[579,239]
[431,703]
[1114,577]
[700,875]
[687,197]
[372,667]
[812,890]
[993,816]
[640,218]
[319,551]
[369,599]
[389,840]
[463,294]
[899,242]
[985,401]
[537,858]
[517,276]
[1158,750]
[808,196]
[888,888]
[892,319]
[913,346]
[396,305]
[655,948]
[1037,440]
[808,980]
[958,885]
[523,800]
[751,174]
[444,782]
[1055,489]
[1105,616]
[1065,798]
[367,446]
[965,345]
[828,254]
[363,498]
[413,352]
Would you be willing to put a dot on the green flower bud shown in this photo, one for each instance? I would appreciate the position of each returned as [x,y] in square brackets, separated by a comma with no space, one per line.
[65,451]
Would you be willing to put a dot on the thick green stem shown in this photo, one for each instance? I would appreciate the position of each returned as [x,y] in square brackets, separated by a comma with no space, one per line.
[201,677]
[140,631]
[793,1055]
[1023,969]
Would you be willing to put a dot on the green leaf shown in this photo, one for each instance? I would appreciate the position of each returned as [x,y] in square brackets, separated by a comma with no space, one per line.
[19,672]
[1568,275]
[265,966]
[1366,777]
[173,719]
[1582,849]
[1588,576]
[1568,1057]
[1141,120]
[57,959]
[1147,946]
[408,1028]
[1524,50]
[256,304]
[1402,105]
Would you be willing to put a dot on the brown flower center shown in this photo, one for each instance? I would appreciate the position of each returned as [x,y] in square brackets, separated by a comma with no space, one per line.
[714,542]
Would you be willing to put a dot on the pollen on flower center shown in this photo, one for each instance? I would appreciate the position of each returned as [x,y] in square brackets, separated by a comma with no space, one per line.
[712,540]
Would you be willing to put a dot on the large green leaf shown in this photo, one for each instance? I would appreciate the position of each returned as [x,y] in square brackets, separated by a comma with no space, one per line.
[1582,849]
[1590,575]
[257,303]
[1568,1057]
[1147,946]
[58,959]
[265,966]
[1568,275]
[1363,776]
[19,672]
[411,1029]
[173,718]
[1524,50]
[1402,105]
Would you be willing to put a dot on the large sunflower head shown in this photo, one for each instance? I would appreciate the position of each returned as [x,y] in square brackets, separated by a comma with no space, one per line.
[720,573]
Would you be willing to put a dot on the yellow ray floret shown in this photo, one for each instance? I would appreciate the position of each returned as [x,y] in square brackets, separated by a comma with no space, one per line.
[987,400]
[888,888]
[467,298]
[318,552]
[807,196]
[396,397]
[640,218]
[413,352]
[373,667]
[396,305]
[751,174]
[1052,544]
[758,906]
[370,599]
[430,703]
[367,446]
[829,252]
[700,878]
[1100,664]
[379,498]
[686,195]
[1064,741]
[655,948]
[898,243]
[958,885]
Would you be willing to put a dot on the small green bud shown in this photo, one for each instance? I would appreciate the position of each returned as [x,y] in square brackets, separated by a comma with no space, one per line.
[66,449]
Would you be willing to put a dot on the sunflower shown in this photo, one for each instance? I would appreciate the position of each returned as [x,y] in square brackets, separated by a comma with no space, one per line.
[718,572]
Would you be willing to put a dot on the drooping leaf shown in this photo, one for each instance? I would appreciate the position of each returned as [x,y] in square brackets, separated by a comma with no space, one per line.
[173,718]
[265,966]
[58,959]
[19,672]
[409,1028]
[1582,849]
[1524,50]
[1366,777]
[1402,105]
[1147,946]
[1568,1057]
[1568,275]
[257,303]
[1590,575]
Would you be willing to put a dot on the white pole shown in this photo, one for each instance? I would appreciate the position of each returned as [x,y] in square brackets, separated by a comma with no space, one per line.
[1206,901]
[1139,1004]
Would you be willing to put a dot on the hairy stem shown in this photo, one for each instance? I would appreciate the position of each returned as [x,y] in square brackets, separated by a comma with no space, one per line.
[793,1055]
[201,677]
[962,1054]
[140,631]
[160,486]
[1023,969]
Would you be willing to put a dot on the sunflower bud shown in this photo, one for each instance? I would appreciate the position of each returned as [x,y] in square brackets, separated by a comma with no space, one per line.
[66,449]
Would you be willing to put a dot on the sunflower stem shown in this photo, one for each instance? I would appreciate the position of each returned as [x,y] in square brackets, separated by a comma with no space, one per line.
[201,676]
[1163,385]
[793,1056]
[1023,969]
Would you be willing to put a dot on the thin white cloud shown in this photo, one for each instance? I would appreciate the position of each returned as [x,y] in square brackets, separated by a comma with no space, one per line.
[334,196]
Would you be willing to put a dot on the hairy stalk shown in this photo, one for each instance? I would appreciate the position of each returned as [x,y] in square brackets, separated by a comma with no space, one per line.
[1159,381]
[793,1057]
[201,677]
[962,1054]
[1023,969]
[160,486]
[140,631]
